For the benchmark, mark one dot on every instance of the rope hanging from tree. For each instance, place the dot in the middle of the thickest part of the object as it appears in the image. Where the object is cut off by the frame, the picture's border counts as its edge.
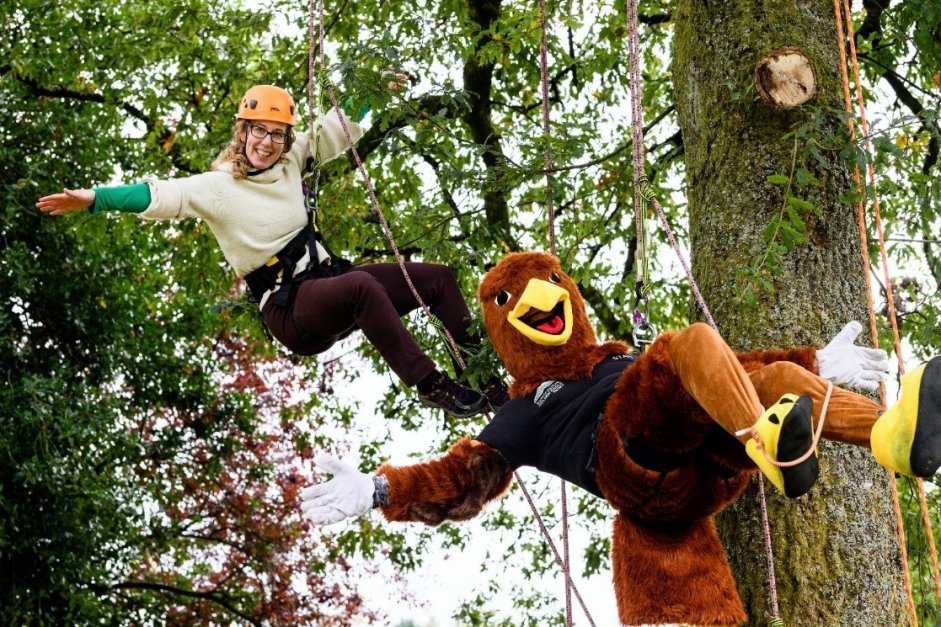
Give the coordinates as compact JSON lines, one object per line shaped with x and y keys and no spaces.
{"x":550,"y":209}
{"x":846,"y":37}
{"x":642,"y":195}
{"x":387,"y":231}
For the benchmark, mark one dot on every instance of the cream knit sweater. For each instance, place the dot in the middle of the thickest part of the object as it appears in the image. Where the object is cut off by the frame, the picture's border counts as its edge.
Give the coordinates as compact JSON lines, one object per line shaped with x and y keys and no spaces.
{"x":255,"y":217}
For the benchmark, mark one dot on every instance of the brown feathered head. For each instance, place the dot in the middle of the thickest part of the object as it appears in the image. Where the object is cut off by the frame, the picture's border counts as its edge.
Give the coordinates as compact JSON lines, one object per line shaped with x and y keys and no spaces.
{"x":537,"y":321}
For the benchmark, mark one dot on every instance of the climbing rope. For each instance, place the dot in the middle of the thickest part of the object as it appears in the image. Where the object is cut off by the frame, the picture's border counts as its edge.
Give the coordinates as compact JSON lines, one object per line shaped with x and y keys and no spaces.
{"x":642,"y":192}
{"x":387,"y":231}
{"x":846,"y":36}
{"x":544,"y":85}
{"x":550,"y":211}
{"x":641,"y":189}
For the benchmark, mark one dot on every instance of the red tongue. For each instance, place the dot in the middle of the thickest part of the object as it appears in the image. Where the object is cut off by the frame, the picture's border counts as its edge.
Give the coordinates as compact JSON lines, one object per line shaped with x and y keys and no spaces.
{"x":553,"y":325}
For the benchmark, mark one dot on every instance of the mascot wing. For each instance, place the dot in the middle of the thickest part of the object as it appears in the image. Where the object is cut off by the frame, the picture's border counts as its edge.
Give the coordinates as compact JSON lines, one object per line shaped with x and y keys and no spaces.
{"x":453,"y":487}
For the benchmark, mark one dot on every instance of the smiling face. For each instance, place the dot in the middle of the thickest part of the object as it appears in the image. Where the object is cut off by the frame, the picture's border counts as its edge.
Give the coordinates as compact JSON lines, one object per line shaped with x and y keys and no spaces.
{"x":543,"y":312}
{"x":263,"y":152}
{"x":534,"y":314}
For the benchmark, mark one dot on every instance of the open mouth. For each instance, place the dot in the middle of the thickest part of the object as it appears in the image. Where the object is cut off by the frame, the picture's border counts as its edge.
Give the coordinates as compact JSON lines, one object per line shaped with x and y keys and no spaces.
{"x":550,"y":322}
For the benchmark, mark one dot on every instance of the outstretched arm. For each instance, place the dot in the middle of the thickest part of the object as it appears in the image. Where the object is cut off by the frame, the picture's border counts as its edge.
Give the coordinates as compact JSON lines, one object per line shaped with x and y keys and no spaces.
{"x":453,"y":487}
{"x":841,"y":361}
{"x":133,"y":198}
{"x":67,"y":201}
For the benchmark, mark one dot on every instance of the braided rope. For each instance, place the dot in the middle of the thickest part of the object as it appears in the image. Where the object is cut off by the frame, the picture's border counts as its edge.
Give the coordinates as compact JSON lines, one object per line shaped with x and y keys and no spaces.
{"x":547,"y":157}
{"x":640,"y":183}
{"x":769,"y":556}
{"x":387,"y":231}
{"x":550,"y":212}
{"x":842,"y":34}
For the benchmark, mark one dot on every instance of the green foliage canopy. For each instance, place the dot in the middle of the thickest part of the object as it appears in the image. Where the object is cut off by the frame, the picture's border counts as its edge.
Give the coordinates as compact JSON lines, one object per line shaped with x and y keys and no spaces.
{"x":130,"y":399}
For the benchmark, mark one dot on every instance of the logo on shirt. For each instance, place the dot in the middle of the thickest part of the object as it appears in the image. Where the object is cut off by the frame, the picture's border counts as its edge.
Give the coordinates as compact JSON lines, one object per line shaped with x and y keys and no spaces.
{"x":545,"y":390}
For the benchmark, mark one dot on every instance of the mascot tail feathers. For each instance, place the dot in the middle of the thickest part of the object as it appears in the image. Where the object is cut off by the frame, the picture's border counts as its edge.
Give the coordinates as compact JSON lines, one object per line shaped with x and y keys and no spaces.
{"x":786,"y":433}
{"x":907,"y":437}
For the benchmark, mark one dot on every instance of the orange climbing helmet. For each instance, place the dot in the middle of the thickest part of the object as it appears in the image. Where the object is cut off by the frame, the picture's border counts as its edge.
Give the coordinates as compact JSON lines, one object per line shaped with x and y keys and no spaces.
{"x":267,"y":102}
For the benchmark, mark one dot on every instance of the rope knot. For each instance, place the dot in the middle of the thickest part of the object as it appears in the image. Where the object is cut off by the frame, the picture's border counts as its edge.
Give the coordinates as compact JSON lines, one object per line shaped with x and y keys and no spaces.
{"x":646,"y":191}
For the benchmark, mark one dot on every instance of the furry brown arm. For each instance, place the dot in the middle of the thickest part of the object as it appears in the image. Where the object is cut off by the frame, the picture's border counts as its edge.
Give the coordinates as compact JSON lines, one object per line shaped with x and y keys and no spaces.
{"x":804,"y":356}
{"x":453,"y":487}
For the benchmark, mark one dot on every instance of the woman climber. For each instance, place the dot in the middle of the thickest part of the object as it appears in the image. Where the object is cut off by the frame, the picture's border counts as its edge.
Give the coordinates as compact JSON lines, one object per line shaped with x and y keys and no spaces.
{"x":253,"y":202}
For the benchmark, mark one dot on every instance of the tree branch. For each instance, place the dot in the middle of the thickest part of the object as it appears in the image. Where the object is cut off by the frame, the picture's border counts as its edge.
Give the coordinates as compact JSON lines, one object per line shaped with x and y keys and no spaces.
{"x":607,"y":313}
{"x":874,"y":10}
{"x":163,"y":134}
{"x":905,"y":95}
{"x":159,"y":587}
{"x":424,"y":106}
{"x":655,"y":18}
{"x":478,"y":82}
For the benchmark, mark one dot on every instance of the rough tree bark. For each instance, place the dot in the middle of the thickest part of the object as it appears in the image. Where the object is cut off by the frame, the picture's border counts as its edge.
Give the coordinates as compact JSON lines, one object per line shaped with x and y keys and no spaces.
{"x":836,"y":553}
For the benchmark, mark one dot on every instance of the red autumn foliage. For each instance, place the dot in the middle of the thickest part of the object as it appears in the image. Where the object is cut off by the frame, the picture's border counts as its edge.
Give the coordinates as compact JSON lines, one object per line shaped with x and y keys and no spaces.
{"x":229,"y":540}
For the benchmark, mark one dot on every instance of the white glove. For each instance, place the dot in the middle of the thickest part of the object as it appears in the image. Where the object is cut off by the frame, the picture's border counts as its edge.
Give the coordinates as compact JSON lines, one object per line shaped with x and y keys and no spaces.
{"x":348,"y":494}
{"x":846,"y":364}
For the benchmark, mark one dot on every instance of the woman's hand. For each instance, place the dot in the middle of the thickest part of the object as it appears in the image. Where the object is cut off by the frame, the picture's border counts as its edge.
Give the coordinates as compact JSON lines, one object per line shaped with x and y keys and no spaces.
{"x":396,"y":81}
{"x":68,"y":201}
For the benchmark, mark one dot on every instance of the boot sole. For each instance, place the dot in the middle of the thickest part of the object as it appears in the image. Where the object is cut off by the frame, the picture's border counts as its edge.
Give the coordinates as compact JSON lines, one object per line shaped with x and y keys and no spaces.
{"x":797,"y":436}
{"x":786,"y":429}
{"x":926,"y":445}
{"x":472,"y":410}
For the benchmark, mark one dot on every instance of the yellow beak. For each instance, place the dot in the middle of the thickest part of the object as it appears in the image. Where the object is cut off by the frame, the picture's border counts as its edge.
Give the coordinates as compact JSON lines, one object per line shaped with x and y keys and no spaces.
{"x":542,"y":296}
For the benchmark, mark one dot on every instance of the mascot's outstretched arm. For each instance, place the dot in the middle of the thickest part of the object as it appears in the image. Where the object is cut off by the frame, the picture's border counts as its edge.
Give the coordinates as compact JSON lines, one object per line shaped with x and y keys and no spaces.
{"x":841,"y":361}
{"x":453,"y":487}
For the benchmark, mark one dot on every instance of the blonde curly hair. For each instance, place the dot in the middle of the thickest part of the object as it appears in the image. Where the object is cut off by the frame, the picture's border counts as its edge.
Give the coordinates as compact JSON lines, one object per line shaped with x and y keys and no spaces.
{"x":234,"y":153}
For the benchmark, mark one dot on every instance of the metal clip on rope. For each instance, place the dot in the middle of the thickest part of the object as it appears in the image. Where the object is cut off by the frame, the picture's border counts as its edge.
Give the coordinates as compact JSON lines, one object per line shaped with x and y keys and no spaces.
{"x":643,"y":332}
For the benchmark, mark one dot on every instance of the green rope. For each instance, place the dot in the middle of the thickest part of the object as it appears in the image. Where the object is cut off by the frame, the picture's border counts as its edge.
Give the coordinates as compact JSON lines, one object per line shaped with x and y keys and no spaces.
{"x":439,"y":328}
{"x":646,"y":194}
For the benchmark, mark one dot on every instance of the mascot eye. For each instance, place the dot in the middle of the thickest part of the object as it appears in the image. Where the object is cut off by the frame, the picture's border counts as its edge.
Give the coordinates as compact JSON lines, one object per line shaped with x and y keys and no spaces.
{"x":555,"y":278}
{"x":502,"y":298}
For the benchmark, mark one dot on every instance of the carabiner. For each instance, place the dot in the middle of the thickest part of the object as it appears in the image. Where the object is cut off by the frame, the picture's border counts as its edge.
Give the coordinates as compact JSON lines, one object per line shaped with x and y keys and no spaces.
{"x":643,"y":332}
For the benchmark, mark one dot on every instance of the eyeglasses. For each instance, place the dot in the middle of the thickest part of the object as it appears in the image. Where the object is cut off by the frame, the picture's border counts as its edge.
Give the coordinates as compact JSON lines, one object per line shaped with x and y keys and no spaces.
{"x":260,"y":132}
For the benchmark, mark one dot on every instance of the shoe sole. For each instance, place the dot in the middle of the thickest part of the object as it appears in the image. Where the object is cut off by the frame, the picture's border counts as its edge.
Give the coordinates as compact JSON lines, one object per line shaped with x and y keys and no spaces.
{"x":786,"y":429}
{"x":926,"y":445}
{"x":797,"y":436}
{"x":472,"y":410}
{"x":907,"y":437}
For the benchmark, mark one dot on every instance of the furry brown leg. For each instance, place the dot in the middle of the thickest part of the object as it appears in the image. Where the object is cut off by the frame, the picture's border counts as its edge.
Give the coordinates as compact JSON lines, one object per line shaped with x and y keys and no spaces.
{"x":849,"y":417}
{"x":712,"y":374}
{"x":686,"y":566}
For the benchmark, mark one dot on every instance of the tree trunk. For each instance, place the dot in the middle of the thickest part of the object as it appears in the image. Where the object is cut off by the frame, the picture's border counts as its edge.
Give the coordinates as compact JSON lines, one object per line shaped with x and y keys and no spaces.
{"x":836,"y":554}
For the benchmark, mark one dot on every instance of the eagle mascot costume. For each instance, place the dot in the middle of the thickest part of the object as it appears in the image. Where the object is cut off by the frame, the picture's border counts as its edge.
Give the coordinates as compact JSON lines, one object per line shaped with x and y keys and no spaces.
{"x":668,"y":437}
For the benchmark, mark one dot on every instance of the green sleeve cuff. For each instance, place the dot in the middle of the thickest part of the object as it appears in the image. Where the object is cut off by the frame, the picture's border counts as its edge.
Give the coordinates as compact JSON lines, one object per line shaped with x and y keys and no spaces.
{"x":360,"y":113}
{"x":126,"y":198}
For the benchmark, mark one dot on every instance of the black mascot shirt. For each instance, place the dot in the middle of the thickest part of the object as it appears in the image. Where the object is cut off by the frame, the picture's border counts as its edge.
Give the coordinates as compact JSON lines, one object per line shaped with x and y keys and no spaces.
{"x":553,"y":428}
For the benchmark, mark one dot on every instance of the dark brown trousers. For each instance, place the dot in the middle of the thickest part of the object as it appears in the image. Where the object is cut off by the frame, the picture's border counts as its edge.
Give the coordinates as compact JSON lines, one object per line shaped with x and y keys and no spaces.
{"x":372,"y":298}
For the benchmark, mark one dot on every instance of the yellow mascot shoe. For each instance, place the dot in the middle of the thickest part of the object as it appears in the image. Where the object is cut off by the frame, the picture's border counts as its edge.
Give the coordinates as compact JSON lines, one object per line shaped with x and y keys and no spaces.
{"x":907,"y":437}
{"x":786,"y":429}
